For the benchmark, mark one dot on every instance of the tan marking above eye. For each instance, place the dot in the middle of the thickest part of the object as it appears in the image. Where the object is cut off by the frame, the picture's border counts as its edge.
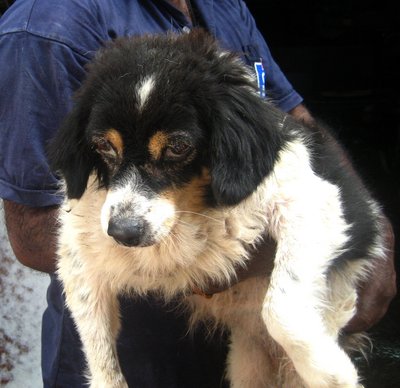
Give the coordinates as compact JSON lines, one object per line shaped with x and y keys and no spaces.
{"x":115,"y":138}
{"x":157,"y":143}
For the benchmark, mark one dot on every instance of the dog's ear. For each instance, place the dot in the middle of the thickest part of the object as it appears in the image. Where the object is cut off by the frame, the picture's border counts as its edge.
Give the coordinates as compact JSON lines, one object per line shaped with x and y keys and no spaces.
{"x":70,"y":154}
{"x":245,"y":142}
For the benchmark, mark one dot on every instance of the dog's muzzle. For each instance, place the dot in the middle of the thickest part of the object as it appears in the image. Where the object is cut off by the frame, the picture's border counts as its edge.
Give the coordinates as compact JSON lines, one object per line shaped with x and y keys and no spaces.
{"x":136,"y":219}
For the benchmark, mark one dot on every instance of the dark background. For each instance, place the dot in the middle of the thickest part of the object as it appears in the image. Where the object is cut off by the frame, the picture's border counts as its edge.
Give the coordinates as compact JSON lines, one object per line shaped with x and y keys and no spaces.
{"x":343,"y":57}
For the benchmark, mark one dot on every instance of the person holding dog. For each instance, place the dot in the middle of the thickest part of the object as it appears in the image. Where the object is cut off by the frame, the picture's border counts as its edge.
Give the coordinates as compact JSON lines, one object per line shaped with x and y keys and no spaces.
{"x":45,"y":46}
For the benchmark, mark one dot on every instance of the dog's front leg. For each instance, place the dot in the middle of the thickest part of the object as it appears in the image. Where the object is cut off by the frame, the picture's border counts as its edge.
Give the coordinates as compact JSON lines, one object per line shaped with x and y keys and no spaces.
{"x":305,"y":217}
{"x":293,"y":312}
{"x":95,"y":310}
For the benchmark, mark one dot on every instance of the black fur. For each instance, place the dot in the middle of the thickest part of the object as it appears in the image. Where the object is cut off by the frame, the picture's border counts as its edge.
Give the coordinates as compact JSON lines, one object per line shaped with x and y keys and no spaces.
{"x":335,"y":166}
{"x":244,"y":145}
{"x":71,"y":154}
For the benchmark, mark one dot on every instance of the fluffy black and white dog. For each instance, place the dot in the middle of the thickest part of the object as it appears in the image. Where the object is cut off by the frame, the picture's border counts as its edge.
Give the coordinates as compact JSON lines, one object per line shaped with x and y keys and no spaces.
{"x":174,"y":169}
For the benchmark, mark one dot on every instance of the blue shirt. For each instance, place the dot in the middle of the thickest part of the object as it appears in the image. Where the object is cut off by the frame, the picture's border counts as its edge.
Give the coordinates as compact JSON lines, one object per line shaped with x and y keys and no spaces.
{"x":44,"y":47}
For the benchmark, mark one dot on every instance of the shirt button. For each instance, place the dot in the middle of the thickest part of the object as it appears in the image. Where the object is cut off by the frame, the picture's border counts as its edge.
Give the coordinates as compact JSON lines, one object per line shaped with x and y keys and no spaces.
{"x":186,"y":29}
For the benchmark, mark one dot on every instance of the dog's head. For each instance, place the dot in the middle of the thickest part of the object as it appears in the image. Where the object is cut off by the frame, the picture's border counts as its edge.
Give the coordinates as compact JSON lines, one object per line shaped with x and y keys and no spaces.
{"x":168,"y":123}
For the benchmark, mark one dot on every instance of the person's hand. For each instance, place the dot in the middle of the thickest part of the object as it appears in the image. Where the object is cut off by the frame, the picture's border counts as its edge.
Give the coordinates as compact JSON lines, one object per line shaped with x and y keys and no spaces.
{"x":376,"y":293}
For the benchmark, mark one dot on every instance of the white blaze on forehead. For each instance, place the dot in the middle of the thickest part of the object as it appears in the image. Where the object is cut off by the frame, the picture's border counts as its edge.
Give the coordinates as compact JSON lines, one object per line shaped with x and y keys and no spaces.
{"x":144,"y":89}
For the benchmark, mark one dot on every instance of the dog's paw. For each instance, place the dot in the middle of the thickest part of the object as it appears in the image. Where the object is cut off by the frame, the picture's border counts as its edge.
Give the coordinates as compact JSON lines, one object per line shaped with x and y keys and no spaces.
{"x":335,"y":371}
{"x":114,"y":383}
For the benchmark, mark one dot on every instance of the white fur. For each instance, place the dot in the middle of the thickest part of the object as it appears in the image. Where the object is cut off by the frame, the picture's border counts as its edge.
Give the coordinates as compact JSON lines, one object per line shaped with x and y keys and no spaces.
{"x":144,"y":90}
{"x":284,"y":328}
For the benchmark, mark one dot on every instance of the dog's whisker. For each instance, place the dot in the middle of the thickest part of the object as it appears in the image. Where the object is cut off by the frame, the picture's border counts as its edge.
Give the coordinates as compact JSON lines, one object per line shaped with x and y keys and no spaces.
{"x":172,"y":239}
{"x":201,"y":215}
{"x":171,"y":61}
{"x":79,"y":215}
{"x":179,"y":221}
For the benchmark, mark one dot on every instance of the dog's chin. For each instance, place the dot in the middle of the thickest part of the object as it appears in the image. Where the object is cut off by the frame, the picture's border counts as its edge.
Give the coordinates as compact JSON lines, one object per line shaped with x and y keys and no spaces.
{"x":147,"y":242}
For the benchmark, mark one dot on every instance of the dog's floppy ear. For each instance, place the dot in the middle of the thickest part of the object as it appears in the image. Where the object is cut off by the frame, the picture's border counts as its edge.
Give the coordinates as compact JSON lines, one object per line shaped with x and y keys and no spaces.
{"x":244,"y":144}
{"x":70,"y":154}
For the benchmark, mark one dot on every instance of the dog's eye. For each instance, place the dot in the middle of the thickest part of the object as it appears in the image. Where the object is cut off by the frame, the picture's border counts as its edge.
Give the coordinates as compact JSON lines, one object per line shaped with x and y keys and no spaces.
{"x":105,"y":148}
{"x":178,"y":150}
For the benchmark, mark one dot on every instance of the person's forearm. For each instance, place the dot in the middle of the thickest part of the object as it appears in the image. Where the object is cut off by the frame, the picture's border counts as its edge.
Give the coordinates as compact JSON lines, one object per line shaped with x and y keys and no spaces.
{"x":376,"y":293}
{"x":302,"y":114}
{"x":32,"y":234}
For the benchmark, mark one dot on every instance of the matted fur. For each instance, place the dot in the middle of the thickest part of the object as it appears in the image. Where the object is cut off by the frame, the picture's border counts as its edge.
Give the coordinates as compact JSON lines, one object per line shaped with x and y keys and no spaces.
{"x":196,"y":172}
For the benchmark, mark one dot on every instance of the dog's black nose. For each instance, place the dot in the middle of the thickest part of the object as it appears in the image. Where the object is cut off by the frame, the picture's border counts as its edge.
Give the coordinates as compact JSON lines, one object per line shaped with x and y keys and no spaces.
{"x":127,"y":231}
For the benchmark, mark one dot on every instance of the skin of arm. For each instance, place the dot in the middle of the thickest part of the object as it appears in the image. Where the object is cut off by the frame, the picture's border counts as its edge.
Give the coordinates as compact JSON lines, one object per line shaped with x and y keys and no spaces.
{"x":32,"y":232}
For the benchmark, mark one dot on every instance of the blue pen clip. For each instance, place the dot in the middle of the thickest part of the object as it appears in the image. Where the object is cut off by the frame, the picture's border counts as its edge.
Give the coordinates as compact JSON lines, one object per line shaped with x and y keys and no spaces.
{"x":260,"y":72}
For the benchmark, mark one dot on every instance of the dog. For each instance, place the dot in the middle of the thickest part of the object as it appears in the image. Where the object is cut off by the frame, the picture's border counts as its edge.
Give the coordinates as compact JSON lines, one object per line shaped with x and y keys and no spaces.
{"x":174,"y":170}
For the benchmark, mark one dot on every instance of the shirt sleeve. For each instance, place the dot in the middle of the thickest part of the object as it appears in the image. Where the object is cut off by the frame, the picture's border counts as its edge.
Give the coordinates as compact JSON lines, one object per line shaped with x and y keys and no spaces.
{"x":37,"y":81}
{"x":278,"y":88}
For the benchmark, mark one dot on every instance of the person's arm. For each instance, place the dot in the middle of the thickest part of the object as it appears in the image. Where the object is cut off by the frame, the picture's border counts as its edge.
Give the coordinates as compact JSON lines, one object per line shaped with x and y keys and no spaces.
{"x":33,"y":234}
{"x":302,"y":114}
{"x":376,"y":293}
{"x":43,"y":73}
